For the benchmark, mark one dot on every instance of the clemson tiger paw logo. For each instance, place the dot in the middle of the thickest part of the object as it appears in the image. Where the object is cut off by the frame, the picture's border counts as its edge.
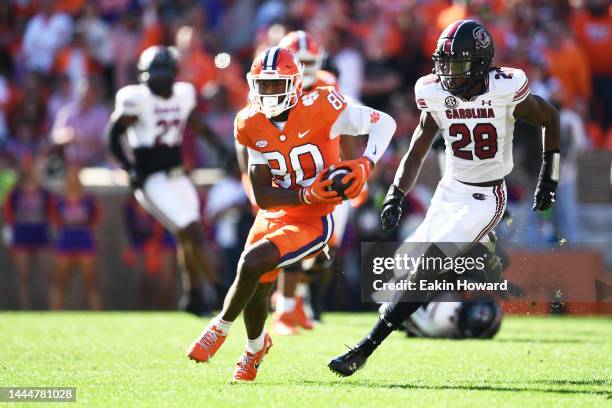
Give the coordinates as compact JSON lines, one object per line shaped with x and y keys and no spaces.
{"x":310,"y":98}
{"x":374,"y":117}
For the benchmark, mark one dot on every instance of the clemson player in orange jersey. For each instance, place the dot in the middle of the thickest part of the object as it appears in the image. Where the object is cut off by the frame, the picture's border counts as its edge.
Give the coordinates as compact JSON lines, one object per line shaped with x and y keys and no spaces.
{"x":289,"y":309}
{"x":291,"y":139}
{"x":310,"y":54}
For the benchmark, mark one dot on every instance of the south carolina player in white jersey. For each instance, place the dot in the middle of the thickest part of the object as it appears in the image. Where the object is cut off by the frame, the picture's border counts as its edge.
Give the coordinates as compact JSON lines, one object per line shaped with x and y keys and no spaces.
{"x":154,"y":114}
{"x":475,"y":106}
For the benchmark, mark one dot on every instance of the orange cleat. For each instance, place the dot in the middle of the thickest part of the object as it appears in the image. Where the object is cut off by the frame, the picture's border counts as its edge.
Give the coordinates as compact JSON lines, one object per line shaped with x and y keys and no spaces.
{"x":207,"y":345}
{"x":247,"y":366}
{"x":299,"y":317}
{"x":283,"y":324}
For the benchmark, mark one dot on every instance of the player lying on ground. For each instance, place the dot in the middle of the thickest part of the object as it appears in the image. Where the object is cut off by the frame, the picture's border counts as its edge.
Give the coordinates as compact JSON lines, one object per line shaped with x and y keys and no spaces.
{"x":475,"y":106}
{"x":462,"y":314}
{"x":292,"y":139}
{"x":448,"y":316}
{"x":153,"y":114}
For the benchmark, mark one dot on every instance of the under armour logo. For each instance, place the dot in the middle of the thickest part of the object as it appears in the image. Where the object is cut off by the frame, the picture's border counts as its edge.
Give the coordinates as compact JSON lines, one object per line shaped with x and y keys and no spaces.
{"x":486,"y":102}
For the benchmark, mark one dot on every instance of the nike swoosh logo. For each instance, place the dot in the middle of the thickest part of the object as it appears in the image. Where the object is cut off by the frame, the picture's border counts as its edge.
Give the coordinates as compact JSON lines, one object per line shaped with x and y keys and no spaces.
{"x":302,"y":134}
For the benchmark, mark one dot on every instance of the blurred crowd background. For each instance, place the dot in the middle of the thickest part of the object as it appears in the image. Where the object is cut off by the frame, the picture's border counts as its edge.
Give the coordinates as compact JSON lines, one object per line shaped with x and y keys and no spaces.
{"x":62,"y":61}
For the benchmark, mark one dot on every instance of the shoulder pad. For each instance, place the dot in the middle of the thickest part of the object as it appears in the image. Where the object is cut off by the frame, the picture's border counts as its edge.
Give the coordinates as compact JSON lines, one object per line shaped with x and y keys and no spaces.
{"x":240,"y":125}
{"x":129,"y":99}
{"x":184,"y":89}
{"x":427,"y":90}
{"x":131,"y":92}
{"x":511,"y":82}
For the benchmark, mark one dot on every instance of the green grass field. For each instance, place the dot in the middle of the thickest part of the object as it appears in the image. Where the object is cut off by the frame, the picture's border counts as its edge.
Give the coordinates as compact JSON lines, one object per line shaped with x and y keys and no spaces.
{"x":137,"y":359}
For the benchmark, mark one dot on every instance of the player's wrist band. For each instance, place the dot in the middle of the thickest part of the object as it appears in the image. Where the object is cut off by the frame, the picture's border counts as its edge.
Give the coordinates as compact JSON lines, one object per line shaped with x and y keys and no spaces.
{"x":395,"y":194}
{"x":302,"y":196}
{"x":550,"y":165}
{"x":371,"y":161}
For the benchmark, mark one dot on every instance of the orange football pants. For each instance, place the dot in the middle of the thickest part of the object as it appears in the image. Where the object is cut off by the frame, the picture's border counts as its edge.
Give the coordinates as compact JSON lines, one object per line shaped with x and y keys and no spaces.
{"x":296,"y":238}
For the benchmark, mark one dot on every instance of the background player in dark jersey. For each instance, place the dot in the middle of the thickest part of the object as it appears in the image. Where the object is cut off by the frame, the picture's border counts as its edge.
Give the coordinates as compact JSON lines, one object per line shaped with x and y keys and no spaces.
{"x":153,"y":115}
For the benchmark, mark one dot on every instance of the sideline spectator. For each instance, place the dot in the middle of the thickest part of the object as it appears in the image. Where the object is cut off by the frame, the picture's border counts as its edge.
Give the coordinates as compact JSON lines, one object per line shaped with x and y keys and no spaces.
{"x":79,"y":128}
{"x":46,"y":33}
{"x":27,"y":213}
{"x":76,"y":215}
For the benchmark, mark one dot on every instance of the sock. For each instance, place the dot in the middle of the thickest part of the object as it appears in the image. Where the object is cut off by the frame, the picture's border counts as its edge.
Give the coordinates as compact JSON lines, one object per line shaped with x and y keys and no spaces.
{"x":221,"y":324}
{"x":253,"y":346}
{"x":285,"y":304}
{"x":394,"y":315}
{"x":301,"y":289}
{"x":315,"y":300}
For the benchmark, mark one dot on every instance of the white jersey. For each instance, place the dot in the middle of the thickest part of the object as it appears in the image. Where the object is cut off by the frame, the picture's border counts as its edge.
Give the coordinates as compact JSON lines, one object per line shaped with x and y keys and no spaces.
{"x":160,"y":121}
{"x":477,"y":132}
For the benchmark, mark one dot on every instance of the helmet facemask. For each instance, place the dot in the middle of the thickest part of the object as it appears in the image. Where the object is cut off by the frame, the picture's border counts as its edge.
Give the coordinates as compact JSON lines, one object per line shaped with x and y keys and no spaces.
{"x":273,"y":98}
{"x":158,"y":68}
{"x":463,"y":57}
{"x":458,"y":74}
{"x":159,"y":81}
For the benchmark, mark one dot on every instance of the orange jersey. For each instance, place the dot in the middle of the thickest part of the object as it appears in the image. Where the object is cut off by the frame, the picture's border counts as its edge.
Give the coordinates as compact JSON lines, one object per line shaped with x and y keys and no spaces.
{"x":325,"y":78}
{"x":299,"y":152}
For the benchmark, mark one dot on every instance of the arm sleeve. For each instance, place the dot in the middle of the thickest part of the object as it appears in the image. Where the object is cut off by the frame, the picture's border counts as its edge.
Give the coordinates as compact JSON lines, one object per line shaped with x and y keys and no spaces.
{"x":256,"y":157}
{"x":421,"y":92}
{"x":360,"y":120}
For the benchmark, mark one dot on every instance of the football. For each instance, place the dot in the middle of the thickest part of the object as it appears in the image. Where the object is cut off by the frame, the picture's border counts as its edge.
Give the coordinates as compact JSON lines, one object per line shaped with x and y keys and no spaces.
{"x":336,"y":175}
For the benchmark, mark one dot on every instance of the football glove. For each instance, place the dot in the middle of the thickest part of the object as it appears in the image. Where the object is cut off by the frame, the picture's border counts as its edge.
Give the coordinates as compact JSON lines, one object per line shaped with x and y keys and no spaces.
{"x":316,"y":193}
{"x":544,"y":196}
{"x":360,"y":171}
{"x":392,"y":208}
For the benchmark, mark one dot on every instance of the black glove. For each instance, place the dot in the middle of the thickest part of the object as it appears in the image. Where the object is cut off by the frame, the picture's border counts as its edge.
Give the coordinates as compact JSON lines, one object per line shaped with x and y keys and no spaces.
{"x":136,"y":180}
{"x":544,"y":196}
{"x":392,"y":208}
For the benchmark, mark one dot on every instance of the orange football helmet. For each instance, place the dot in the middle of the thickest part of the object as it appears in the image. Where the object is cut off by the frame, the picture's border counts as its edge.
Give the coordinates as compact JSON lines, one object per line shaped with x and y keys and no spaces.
{"x":308,"y":51}
{"x":275,"y":64}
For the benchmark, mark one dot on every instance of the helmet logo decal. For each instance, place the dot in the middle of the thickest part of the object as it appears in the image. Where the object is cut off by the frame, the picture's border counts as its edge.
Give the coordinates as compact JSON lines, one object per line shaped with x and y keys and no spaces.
{"x":482,"y":38}
{"x":451,"y":102}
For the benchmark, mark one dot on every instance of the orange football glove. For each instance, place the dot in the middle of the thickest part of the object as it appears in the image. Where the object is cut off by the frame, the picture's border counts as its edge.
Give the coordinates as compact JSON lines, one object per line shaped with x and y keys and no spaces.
{"x":360,"y":171}
{"x":317,"y":192}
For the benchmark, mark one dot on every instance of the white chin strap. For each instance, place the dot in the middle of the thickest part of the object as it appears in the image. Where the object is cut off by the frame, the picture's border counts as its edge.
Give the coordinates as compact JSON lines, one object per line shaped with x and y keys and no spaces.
{"x":270,"y":106}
